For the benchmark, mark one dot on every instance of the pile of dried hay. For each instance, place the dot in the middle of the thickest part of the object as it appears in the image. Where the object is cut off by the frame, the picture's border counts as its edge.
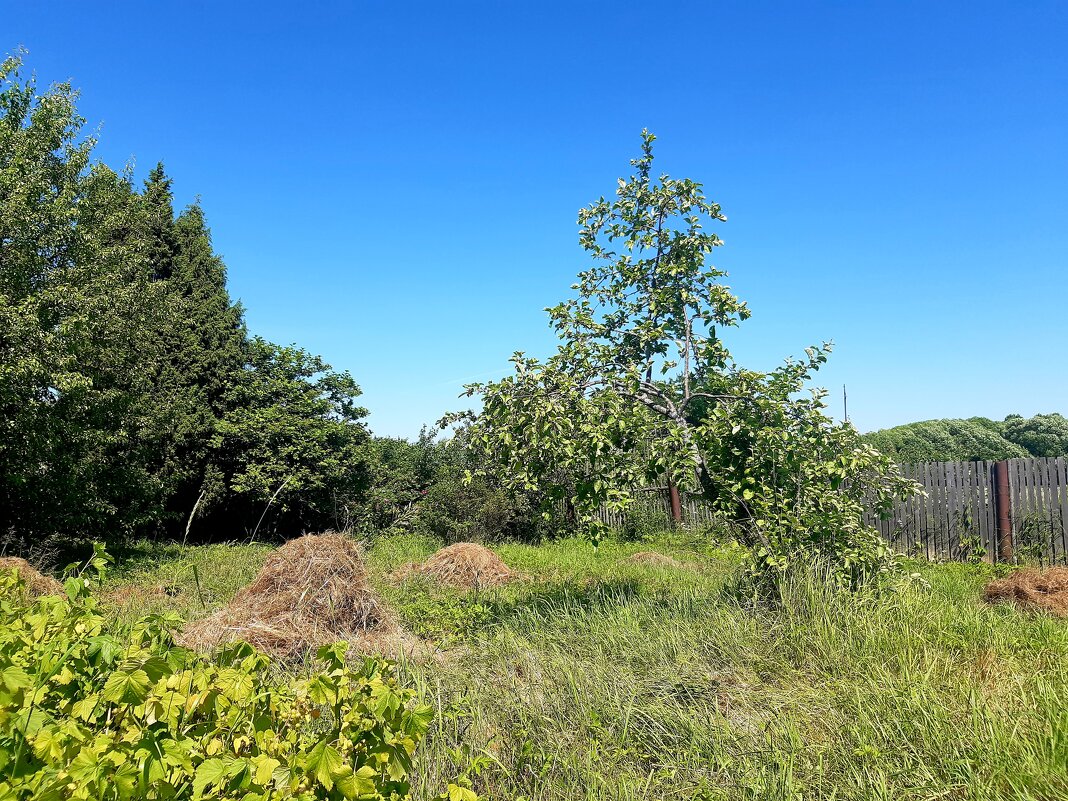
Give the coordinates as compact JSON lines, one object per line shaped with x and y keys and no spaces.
{"x":1033,"y":589}
{"x":464,"y":564}
{"x":312,"y":591}
{"x":37,"y":583}
{"x":653,"y":559}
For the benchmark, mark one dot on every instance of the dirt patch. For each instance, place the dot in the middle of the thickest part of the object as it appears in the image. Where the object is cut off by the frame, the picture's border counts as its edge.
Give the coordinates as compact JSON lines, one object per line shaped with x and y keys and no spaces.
{"x":37,"y":583}
{"x":464,"y":564}
{"x":653,"y":559}
{"x":1032,"y":589}
{"x":310,"y":592}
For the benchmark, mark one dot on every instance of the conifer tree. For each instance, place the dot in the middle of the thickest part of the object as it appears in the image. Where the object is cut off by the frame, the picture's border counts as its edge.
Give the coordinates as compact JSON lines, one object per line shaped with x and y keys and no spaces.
{"x":158,"y":201}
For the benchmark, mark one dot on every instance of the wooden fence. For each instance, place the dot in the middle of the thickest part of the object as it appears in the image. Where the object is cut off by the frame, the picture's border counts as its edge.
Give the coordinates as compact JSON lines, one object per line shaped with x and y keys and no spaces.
{"x":654,"y":503}
{"x":957,"y":518}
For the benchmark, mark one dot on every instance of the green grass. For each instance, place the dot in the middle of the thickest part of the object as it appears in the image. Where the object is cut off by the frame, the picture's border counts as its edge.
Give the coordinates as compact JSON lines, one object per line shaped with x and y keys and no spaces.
{"x":595,"y":678}
{"x":192,"y":581}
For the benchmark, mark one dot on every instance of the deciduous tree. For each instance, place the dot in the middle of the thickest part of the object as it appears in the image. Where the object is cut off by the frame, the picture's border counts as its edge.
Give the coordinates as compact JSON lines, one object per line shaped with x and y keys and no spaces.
{"x":643,"y":388}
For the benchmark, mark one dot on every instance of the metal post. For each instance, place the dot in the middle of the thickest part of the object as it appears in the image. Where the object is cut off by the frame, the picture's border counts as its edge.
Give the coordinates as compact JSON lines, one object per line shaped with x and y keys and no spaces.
{"x":676,"y":503}
{"x":1003,"y":509}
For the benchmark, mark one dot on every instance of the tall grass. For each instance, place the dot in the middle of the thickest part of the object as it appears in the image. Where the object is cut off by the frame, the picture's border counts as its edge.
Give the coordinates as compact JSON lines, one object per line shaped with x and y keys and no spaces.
{"x":600,"y":679}
{"x":619,"y":682}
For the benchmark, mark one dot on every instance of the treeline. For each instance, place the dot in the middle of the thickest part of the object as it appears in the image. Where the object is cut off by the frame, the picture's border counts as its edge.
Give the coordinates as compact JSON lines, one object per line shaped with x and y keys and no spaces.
{"x":134,"y":402}
{"x":131,"y":391}
{"x":974,"y":439}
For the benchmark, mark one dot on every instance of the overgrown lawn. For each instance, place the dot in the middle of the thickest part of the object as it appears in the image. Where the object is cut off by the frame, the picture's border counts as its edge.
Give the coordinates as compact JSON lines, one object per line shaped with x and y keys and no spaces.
{"x":596,"y":678}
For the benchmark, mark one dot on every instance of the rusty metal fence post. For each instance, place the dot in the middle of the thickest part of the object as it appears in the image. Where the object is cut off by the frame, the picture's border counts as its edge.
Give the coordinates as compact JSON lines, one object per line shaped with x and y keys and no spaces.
{"x":676,"y":503}
{"x":1003,"y":510}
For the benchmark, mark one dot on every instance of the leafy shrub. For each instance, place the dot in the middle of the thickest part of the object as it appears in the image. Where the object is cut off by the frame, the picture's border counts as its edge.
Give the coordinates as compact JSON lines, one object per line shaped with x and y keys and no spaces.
{"x":642,"y":521}
{"x":455,"y":511}
{"x":87,"y":715}
{"x":403,"y":471}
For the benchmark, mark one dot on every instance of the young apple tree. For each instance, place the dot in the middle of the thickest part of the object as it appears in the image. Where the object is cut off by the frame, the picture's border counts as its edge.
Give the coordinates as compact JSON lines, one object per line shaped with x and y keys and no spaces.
{"x":643,"y":389}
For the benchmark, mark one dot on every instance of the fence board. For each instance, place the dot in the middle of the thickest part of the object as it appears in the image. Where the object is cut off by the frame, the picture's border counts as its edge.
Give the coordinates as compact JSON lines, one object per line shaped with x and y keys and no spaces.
{"x":955,"y":517}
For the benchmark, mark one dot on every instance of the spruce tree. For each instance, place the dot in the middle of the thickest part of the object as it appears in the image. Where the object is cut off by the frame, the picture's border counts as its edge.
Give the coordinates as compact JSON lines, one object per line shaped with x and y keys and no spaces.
{"x":158,"y":202}
{"x":211,"y":350}
{"x":203,"y":343}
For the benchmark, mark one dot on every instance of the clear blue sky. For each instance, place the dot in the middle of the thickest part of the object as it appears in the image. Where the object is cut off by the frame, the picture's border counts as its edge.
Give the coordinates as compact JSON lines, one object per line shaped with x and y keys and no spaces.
{"x":395,"y":185}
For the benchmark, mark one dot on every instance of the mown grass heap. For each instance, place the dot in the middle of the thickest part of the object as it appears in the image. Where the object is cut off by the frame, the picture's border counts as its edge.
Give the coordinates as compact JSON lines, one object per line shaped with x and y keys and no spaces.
{"x":653,"y":559}
{"x":1036,"y":590}
{"x":462,"y":564}
{"x":34,"y":581}
{"x":310,"y":592}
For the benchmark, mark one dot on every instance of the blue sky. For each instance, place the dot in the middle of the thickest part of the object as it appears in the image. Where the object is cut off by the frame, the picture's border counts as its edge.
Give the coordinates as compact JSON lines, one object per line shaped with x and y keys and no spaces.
{"x":395,"y":185}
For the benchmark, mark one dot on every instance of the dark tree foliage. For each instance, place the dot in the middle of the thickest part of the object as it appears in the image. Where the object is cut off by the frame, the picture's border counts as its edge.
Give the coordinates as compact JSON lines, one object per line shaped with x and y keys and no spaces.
{"x":130,"y":394}
{"x":157,"y":200}
{"x":205,"y":343}
{"x":293,"y":436}
{"x":420,"y":486}
{"x":75,"y":375}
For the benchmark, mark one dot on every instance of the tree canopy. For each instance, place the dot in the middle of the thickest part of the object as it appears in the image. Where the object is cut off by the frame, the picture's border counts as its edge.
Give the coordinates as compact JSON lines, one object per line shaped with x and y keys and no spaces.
{"x":642,"y":388}
{"x":974,"y":439}
{"x":130,"y":391}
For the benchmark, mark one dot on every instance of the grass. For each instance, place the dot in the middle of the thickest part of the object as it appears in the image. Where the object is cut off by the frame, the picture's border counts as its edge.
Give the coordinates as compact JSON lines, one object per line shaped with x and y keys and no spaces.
{"x":600,"y":679}
{"x":152,"y":578}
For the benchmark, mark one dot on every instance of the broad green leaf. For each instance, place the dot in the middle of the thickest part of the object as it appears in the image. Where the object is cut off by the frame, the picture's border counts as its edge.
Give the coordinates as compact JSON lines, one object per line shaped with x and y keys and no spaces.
{"x":124,"y":687}
{"x":324,"y":763}
{"x":210,"y":772}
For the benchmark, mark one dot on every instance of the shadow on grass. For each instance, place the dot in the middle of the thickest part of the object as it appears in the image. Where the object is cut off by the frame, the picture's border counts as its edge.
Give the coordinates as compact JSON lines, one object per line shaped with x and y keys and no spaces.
{"x":546,"y":603}
{"x":568,"y":597}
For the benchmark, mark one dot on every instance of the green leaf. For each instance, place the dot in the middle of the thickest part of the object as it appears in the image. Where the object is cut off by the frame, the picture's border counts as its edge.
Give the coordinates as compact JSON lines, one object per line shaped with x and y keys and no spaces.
{"x":263,"y":768}
{"x":210,"y":772}
{"x":15,"y":678}
{"x":458,"y":793}
{"x":324,"y":763}
{"x":124,"y":687}
{"x":359,"y":784}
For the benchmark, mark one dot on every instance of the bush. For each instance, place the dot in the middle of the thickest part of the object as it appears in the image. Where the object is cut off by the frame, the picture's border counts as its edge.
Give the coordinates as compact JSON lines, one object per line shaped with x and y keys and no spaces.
{"x":1041,"y":435}
{"x":89,"y":715}
{"x":453,"y":511}
{"x":642,"y":521}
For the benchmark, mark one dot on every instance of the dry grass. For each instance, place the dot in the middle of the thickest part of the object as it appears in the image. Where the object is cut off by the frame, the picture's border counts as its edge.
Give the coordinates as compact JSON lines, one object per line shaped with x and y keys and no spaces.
{"x":37,"y":583}
{"x":464,"y":564}
{"x":653,"y":559}
{"x":130,"y":595}
{"x":310,"y":592}
{"x":1032,"y":589}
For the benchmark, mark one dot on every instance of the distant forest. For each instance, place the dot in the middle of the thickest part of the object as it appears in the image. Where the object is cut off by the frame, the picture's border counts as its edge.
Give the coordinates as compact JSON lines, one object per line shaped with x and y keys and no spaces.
{"x":974,"y":439}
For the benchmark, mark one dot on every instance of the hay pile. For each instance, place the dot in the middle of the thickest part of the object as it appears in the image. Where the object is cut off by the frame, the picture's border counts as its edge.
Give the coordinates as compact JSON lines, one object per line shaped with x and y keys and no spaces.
{"x":652,"y":559}
{"x":312,"y":591}
{"x":37,"y":583}
{"x":1033,"y":589}
{"x":464,"y":564}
